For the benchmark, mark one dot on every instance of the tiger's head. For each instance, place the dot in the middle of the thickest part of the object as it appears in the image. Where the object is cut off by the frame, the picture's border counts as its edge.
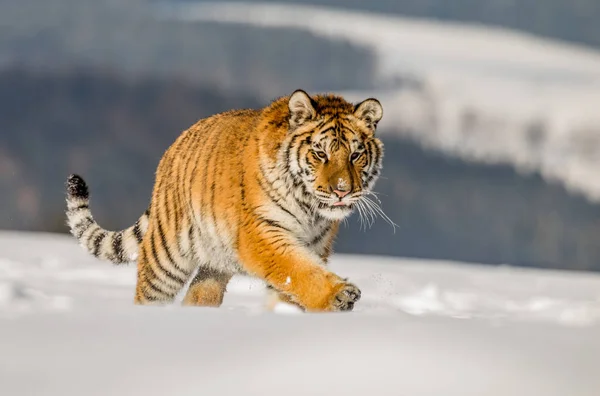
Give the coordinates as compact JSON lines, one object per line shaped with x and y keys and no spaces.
{"x":333,"y":152}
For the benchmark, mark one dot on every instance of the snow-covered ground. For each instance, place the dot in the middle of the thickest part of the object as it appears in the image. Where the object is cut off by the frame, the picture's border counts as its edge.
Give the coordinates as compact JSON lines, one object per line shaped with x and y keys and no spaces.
{"x":68,"y":327}
{"x":485,"y":94}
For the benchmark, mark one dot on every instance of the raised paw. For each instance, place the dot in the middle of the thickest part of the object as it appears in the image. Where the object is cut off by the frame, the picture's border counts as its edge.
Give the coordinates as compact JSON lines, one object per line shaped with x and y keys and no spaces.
{"x":345,"y":298}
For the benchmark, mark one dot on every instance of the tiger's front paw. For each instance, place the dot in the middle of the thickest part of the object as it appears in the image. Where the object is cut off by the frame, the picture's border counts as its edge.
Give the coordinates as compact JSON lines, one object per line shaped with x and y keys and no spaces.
{"x":345,"y":297}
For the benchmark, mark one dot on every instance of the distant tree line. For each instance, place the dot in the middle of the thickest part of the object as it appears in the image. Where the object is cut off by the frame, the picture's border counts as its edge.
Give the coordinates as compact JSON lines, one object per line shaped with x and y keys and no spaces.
{"x":125,"y":36}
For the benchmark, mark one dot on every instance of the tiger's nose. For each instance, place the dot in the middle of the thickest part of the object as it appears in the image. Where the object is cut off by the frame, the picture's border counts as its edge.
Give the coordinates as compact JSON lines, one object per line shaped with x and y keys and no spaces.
{"x":340,"y":193}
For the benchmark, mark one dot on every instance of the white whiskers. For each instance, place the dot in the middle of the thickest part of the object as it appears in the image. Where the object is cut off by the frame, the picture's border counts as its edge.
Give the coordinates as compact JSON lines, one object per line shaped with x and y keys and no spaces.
{"x":368,"y":210}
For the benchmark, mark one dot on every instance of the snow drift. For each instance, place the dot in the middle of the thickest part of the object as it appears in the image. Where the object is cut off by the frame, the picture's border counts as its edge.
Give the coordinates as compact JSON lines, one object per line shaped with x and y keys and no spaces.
{"x":68,"y":327}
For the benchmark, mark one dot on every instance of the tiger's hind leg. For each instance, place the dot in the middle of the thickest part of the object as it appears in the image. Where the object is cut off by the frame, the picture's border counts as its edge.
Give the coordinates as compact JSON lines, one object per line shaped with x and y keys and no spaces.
{"x":207,"y":288}
{"x":162,"y":270}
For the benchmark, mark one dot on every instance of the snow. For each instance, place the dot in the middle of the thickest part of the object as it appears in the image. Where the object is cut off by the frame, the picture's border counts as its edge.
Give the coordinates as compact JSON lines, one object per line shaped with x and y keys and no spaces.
{"x":68,"y":327}
{"x":485,"y":94}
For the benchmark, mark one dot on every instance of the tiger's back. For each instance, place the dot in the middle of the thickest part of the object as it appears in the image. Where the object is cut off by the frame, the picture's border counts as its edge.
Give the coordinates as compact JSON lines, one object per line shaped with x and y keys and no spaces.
{"x":245,"y":192}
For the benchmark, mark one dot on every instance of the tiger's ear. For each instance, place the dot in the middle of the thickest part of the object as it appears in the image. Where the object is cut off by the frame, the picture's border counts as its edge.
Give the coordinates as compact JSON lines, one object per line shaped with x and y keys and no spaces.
{"x":301,"y":108}
{"x":370,"y":111}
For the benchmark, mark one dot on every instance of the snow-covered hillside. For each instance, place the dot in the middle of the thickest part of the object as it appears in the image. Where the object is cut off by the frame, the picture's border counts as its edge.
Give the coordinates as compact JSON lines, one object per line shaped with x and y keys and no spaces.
{"x":485,"y":94}
{"x":68,"y":327}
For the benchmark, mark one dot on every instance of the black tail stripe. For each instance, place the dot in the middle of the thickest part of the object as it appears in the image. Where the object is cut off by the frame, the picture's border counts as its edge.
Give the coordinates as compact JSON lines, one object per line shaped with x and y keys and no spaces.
{"x":97,"y":242}
{"x":117,"y":247}
{"x":137,"y":232}
{"x":91,"y":236}
{"x":82,"y":227}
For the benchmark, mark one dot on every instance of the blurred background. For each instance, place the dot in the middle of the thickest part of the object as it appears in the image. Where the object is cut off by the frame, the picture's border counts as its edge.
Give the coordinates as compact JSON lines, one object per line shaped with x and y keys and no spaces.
{"x":491,"y":110}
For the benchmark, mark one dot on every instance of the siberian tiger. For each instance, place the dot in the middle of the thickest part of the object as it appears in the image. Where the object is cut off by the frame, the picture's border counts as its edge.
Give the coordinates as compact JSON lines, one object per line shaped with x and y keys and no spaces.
{"x":256,"y":192}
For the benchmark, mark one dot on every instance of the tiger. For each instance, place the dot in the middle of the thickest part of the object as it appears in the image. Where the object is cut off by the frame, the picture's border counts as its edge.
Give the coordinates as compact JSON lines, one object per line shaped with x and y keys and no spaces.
{"x":256,"y":192}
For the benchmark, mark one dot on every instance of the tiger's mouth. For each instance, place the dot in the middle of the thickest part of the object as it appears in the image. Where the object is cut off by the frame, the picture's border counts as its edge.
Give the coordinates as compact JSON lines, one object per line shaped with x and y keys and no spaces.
{"x":336,"y":205}
{"x":335,"y":210}
{"x":341,"y":203}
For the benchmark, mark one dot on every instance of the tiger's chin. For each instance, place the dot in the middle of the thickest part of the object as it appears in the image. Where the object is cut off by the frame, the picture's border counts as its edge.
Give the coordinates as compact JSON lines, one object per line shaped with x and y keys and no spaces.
{"x":334,"y":213}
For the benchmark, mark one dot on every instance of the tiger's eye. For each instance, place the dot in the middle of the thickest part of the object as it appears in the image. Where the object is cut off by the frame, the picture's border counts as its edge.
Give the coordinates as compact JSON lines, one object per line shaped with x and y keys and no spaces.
{"x":355,"y":156}
{"x":321,"y":154}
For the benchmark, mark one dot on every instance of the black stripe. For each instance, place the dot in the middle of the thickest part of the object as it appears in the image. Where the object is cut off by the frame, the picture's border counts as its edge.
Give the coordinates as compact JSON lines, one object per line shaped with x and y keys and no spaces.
{"x":168,"y":274}
{"x":117,"y":247}
{"x":91,"y":237}
{"x":320,"y":237}
{"x":274,"y":241}
{"x":164,"y":244}
{"x":186,"y":163}
{"x":80,"y":207}
{"x":243,"y":173}
{"x":242,"y":183}
{"x":351,"y":176}
{"x":97,"y":242}
{"x":301,"y":145}
{"x":137,"y":232}
{"x":157,"y":259}
{"x":369,"y":150}
{"x":167,"y":210}
{"x":370,"y":159}
{"x":298,"y":184}
{"x":275,"y":200}
{"x":320,"y":124}
{"x":192,"y":251}
{"x":193,"y":175}
{"x":291,"y":144}
{"x":146,"y":280}
{"x":163,"y":240}
{"x":271,"y":223}
{"x":171,"y":186}
{"x":217,"y":170}
{"x":83,"y":226}
{"x":177,"y":202}
{"x":208,"y":156}
{"x":148,"y":297}
{"x":156,"y":289}
{"x":377,"y":159}
{"x":299,"y":153}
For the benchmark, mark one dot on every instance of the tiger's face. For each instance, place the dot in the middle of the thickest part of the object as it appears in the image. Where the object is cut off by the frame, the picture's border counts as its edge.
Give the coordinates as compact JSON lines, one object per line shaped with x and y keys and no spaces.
{"x":335,"y":154}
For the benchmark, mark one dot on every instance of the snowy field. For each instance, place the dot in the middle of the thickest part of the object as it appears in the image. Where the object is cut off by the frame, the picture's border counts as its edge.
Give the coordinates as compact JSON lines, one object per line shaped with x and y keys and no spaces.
{"x":68,"y":327}
{"x":482,"y":93}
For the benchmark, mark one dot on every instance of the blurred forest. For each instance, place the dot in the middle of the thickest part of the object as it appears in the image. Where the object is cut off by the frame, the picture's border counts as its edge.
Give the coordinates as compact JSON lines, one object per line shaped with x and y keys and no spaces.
{"x":101,"y":88}
{"x":126,"y":37}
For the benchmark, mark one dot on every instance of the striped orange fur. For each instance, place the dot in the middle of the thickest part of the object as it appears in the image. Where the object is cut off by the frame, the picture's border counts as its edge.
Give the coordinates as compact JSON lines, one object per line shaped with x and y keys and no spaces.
{"x":257,"y":192}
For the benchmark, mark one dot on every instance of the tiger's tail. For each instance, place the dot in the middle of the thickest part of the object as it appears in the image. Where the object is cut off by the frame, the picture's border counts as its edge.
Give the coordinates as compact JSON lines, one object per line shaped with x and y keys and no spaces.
{"x":116,"y":246}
